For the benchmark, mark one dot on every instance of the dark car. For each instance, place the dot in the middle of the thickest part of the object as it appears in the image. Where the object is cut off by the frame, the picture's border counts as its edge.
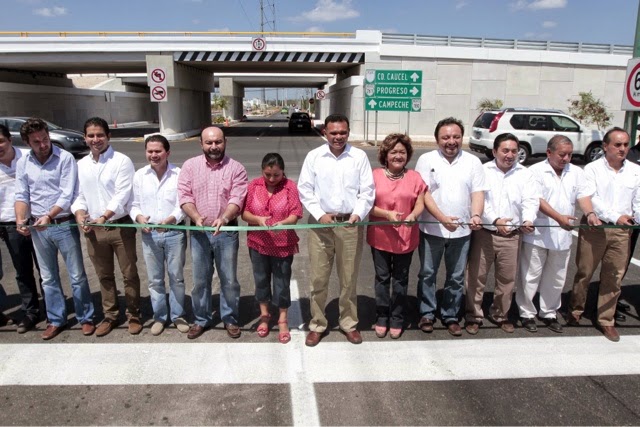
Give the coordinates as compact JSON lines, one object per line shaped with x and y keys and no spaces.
{"x":299,"y":121}
{"x":67,"y":139}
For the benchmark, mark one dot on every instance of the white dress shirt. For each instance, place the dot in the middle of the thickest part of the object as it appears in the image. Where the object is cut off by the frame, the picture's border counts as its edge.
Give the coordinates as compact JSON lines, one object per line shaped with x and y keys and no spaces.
{"x":8,"y":187}
{"x":330,"y":184}
{"x":156,"y":198}
{"x":616,"y":193}
{"x":510,"y":195}
{"x":451,"y":185}
{"x":105,"y":184}
{"x":561,"y":192}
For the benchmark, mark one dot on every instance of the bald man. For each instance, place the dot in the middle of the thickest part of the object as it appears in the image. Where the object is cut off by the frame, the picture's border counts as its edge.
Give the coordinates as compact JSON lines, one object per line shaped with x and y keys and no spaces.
{"x":212,"y":188}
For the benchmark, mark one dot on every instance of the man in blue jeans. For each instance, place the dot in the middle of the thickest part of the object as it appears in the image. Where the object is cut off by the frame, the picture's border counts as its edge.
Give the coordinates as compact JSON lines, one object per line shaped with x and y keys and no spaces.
{"x":212,"y":188}
{"x":46,"y":185}
{"x":456,"y":196}
{"x":155,"y":201}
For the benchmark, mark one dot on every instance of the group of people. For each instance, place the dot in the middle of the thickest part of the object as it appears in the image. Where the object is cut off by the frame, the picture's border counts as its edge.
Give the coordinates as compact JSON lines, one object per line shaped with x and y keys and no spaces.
{"x":518,"y":219}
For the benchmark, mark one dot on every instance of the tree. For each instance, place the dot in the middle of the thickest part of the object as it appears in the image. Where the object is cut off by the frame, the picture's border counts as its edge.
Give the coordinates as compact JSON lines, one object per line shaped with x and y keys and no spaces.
{"x":489,"y":104}
{"x":589,"y":109}
{"x":221,"y":103}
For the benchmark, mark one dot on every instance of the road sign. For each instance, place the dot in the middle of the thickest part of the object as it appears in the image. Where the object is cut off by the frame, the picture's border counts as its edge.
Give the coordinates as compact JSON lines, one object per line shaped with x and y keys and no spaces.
{"x":158,"y":75}
{"x":393,"y":90}
{"x":320,"y":95}
{"x":311,"y":101}
{"x":159,"y":94}
{"x":631,"y":97}
{"x":258,"y":44}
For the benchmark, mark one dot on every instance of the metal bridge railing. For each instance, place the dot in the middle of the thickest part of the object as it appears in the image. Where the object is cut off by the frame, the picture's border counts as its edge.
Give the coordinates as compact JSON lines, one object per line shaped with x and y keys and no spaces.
{"x":424,"y":40}
{"x":166,"y":33}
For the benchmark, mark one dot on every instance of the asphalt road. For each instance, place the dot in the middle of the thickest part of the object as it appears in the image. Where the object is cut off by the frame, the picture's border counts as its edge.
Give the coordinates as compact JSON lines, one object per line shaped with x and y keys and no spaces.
{"x":576,"y":378}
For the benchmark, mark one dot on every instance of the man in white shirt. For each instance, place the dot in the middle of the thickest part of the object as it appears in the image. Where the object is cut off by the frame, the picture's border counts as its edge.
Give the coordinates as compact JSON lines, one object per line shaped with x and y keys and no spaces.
{"x":616,"y":202}
{"x":20,"y":247}
{"x":510,"y":204}
{"x":544,"y":255}
{"x":456,"y":196}
{"x":106,"y":177}
{"x":335,"y":185}
{"x":155,"y":201}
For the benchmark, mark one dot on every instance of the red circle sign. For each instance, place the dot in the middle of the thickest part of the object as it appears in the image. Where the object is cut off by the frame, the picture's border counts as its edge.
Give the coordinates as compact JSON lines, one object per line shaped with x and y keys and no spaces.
{"x":158,"y":93}
{"x":631,"y":81}
{"x":259,"y":44}
{"x":157,"y":75}
{"x":320,"y":94}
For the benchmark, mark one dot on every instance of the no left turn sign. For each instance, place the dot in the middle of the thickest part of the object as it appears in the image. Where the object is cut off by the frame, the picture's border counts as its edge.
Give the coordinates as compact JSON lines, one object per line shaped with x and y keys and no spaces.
{"x":631,"y":97}
{"x":158,"y":75}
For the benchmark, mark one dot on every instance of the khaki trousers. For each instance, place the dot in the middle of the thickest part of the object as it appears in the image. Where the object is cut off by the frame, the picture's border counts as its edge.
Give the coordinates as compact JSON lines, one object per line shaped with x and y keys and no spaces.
{"x":487,"y":248}
{"x":611,"y":245}
{"x":345,"y":245}
{"x":102,"y":244}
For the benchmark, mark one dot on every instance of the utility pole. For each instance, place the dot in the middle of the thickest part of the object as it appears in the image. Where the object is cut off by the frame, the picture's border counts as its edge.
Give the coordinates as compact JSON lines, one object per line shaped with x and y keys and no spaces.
{"x":264,"y":92}
{"x":631,"y":117}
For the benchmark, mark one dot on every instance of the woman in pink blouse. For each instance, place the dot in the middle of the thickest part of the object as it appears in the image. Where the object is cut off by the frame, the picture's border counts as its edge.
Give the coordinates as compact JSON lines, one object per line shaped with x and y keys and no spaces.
{"x":272,"y":200}
{"x":399,"y":197}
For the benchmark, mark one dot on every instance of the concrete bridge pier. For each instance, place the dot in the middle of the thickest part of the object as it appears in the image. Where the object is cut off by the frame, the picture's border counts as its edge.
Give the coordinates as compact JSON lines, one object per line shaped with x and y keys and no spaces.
{"x":188,"y":107}
{"x":233,"y":93}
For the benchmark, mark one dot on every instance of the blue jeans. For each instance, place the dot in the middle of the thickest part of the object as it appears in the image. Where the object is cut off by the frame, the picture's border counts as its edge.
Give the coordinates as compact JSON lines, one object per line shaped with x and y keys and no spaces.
{"x":223,"y":249}
{"x":47,"y":243}
{"x":264,"y":267}
{"x":455,"y":253}
{"x":157,"y":248}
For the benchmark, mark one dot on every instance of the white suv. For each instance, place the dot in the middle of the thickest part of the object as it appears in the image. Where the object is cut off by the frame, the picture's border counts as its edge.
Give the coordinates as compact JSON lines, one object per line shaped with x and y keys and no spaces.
{"x":534,"y":128}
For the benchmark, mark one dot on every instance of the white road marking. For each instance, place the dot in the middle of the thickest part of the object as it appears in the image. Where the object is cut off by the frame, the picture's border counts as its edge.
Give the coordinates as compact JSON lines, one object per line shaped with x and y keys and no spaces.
{"x":329,"y":362}
{"x":633,"y":260}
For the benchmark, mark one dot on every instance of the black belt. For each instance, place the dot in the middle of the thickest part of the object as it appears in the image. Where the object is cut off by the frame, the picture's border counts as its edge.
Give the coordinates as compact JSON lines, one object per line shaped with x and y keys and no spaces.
{"x":161,"y":229}
{"x":341,"y":217}
{"x":57,"y":220}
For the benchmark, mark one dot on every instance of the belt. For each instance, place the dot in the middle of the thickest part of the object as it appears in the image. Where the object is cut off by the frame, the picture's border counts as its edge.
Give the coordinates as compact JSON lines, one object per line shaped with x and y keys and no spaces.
{"x":123,"y":220}
{"x":164,"y":230}
{"x":57,"y":220}
{"x":341,"y":217}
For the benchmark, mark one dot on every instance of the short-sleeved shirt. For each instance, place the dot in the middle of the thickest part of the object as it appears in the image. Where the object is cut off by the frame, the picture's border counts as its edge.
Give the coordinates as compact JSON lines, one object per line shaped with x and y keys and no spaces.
{"x":398,"y":195}
{"x":282,"y":203}
{"x":451,"y":185}
{"x":561,"y":192}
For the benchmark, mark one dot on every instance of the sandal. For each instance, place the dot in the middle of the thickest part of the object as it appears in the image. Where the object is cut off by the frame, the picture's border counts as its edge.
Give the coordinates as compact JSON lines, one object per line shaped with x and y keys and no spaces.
{"x":263,"y":327}
{"x":284,"y":337}
{"x":381,"y":331}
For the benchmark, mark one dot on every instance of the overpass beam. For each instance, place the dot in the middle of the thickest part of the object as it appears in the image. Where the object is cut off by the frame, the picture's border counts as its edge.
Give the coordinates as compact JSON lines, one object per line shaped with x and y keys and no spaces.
{"x":233,"y":93}
{"x":188,"y":108}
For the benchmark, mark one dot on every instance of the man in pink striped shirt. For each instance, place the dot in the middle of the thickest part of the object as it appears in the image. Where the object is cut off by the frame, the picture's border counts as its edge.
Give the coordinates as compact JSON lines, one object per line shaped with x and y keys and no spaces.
{"x":212,"y":188}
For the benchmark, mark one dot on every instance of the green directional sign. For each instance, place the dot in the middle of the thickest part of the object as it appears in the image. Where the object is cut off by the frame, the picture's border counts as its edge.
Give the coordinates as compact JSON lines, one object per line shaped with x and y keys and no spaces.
{"x":393,"y":90}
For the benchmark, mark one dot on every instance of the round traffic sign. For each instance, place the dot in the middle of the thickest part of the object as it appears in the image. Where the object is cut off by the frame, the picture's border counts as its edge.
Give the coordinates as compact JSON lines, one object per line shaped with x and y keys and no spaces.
{"x":158,"y":75}
{"x":632,"y":87}
{"x":159,"y":93}
{"x":259,"y":44}
{"x":320,"y":94}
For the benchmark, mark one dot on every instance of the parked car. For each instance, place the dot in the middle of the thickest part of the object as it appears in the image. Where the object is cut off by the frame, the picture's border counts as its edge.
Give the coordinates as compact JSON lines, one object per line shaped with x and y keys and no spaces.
{"x":299,"y":121}
{"x":534,"y":128}
{"x":67,"y":139}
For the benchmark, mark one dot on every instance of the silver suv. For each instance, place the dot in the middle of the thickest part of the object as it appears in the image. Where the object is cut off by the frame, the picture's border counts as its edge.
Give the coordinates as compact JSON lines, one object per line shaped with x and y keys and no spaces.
{"x":534,"y":128}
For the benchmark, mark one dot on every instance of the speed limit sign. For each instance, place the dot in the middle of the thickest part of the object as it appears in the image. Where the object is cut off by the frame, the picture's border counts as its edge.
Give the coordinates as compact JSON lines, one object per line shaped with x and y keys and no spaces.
{"x":631,"y":96}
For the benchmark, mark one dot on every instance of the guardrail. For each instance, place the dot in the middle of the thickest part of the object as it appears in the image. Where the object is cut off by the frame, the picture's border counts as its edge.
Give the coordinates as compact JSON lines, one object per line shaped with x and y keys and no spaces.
{"x":166,"y":33}
{"x":422,"y":40}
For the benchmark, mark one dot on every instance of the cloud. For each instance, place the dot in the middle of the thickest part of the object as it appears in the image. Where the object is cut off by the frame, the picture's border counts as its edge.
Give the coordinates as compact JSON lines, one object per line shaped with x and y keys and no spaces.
{"x":460,"y":4}
{"x":538,"y":4}
{"x":549,"y":24}
{"x":50,"y":12}
{"x":314,"y":29}
{"x":537,"y":36}
{"x":328,"y":11}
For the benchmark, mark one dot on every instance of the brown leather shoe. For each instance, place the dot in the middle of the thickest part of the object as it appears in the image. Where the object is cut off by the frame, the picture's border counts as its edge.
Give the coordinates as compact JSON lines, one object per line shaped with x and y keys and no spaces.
{"x":353,"y":337}
{"x":135,"y":327}
{"x":51,"y":331}
{"x":610,"y":333}
{"x":233,"y":330}
{"x":313,"y":338}
{"x":195,"y":331}
{"x":88,"y":328}
{"x":472,"y":327}
{"x":454,"y":329}
{"x":105,"y":327}
{"x":507,"y":326}
{"x":425,"y":325}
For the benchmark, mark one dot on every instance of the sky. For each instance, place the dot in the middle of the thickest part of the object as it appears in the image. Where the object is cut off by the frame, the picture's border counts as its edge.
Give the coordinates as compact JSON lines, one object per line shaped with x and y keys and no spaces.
{"x":587,"y":21}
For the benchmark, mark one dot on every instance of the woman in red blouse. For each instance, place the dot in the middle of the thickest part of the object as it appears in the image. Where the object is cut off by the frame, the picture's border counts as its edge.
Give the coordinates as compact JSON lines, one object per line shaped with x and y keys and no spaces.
{"x":272,"y":200}
{"x":399,"y":197}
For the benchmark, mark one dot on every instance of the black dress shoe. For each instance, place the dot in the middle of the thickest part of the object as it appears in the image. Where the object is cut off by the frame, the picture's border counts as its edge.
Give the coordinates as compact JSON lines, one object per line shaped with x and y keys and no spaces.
{"x":529,"y":324}
{"x":553,"y":325}
{"x":4,"y":320}
{"x":622,"y":306}
{"x":619,"y":317}
{"x":26,"y":324}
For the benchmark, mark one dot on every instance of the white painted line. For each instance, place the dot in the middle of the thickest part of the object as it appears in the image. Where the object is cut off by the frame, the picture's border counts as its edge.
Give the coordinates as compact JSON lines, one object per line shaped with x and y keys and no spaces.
{"x":295,"y":312}
{"x":329,"y":362}
{"x":633,"y":260}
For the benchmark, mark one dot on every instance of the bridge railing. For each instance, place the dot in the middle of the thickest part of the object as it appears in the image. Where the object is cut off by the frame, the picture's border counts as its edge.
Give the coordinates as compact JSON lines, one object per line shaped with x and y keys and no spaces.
{"x":167,"y":33}
{"x":425,"y":40}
